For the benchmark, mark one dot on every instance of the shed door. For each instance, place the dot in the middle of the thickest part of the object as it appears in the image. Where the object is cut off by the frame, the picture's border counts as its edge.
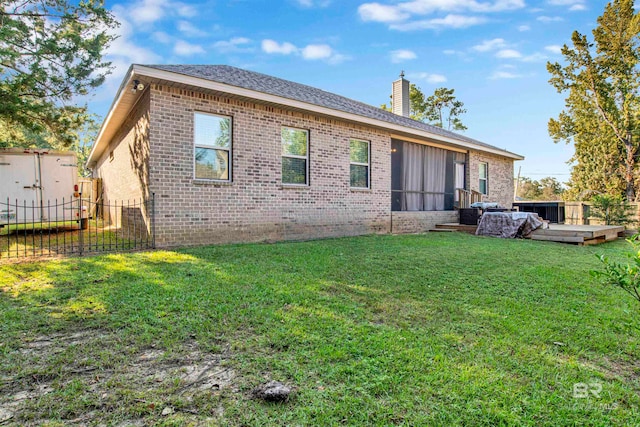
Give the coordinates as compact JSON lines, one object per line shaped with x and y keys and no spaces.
{"x":21,"y":187}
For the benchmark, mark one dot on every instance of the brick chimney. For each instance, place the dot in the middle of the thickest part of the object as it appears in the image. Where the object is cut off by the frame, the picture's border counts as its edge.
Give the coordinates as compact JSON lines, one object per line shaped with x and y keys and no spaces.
{"x":400,"y":96}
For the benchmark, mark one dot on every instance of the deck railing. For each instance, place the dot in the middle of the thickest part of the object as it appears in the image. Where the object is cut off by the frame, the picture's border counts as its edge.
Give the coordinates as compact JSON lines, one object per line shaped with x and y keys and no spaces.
{"x":468,"y":197}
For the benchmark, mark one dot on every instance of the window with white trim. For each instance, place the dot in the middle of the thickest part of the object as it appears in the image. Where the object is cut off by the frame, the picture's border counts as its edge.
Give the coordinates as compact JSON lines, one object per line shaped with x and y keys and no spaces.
{"x":295,"y":156}
{"x":360,"y":163}
{"x":212,"y":147}
{"x":483,"y":178}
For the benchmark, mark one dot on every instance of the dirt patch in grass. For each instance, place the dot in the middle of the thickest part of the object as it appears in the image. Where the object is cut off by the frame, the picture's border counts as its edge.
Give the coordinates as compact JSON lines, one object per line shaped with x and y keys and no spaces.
{"x":90,"y":377}
{"x":628,"y":369}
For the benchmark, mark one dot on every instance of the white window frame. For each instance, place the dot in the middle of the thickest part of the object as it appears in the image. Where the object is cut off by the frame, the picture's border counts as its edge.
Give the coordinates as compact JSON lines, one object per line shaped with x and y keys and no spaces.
{"x":368,"y":164}
{"x":293,"y":156}
{"x":229,"y":150}
{"x":485,"y":178}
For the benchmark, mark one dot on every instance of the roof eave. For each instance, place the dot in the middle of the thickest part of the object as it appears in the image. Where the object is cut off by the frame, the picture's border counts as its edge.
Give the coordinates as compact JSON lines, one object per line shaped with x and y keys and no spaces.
{"x":97,"y":148}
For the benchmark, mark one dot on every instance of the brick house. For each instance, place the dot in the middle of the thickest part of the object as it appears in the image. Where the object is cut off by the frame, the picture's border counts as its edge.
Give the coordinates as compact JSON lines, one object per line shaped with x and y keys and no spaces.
{"x":235,"y":156}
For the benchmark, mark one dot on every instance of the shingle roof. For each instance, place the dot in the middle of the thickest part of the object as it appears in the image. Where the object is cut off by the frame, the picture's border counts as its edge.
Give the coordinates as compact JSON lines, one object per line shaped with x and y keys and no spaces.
{"x":295,"y":91}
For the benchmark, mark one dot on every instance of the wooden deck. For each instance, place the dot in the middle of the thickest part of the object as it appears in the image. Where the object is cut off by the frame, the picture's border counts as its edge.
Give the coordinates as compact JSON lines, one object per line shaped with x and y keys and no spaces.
{"x":563,"y":233}
{"x":579,"y":234}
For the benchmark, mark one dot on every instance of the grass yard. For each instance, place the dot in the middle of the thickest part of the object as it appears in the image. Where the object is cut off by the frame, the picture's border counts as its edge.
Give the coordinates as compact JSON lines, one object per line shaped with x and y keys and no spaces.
{"x":436,"y":329}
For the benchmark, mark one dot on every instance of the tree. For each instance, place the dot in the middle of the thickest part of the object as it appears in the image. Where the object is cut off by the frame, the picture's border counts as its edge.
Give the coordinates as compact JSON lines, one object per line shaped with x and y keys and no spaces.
{"x":50,"y":52}
{"x":443,"y":108}
{"x":438,"y":109}
{"x":602,"y":111}
{"x":547,"y":188}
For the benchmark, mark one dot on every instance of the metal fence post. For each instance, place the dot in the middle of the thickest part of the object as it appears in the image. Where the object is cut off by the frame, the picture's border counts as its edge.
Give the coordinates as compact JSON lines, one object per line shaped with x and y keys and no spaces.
{"x":81,"y":236}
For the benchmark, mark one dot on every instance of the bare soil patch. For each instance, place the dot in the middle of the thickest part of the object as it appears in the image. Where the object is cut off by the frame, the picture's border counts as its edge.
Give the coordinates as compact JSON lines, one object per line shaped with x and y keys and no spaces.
{"x":90,"y":377}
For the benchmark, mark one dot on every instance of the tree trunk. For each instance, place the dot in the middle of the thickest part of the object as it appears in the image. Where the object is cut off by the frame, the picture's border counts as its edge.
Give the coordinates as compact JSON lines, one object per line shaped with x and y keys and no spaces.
{"x":630,"y":162}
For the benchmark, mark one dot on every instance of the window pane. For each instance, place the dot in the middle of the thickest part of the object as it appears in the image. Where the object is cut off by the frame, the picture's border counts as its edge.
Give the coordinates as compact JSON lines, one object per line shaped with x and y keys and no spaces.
{"x":483,"y":170}
{"x":483,"y":186}
{"x":212,"y":164}
{"x":359,"y":176}
{"x":294,"y":171}
{"x":359,"y":151}
{"x":212,"y":130}
{"x":294,"y":142}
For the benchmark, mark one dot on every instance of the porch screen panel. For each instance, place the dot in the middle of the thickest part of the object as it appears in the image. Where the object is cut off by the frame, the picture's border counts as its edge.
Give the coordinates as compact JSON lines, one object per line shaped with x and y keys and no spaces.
{"x":424,"y":178}
{"x":460,"y":167}
{"x":434,"y":178}
{"x":413,"y":165}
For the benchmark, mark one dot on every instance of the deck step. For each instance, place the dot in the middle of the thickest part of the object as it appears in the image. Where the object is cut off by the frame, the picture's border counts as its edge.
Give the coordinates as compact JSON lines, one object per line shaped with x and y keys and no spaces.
{"x":443,"y":230}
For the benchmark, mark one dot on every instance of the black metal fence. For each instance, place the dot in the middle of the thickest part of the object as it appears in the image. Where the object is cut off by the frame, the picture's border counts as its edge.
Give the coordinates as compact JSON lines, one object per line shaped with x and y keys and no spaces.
{"x":75,"y":226}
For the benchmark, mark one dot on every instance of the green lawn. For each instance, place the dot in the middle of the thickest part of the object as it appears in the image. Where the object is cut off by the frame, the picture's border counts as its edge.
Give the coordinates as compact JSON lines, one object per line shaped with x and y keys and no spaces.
{"x":436,"y":329}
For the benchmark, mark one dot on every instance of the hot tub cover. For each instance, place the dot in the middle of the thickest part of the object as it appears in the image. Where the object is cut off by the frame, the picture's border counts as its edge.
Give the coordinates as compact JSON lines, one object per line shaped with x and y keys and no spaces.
{"x":508,"y":224}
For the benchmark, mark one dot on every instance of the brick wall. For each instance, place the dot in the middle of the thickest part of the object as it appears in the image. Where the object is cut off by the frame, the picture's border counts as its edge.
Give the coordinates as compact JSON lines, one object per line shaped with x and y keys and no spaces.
{"x":419,"y":222}
{"x":124,"y":165}
{"x":500,"y":182}
{"x":154,"y":152}
{"x":255,"y":206}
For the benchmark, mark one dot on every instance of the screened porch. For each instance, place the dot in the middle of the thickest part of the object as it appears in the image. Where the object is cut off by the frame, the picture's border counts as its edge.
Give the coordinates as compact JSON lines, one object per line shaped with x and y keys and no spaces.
{"x":427,"y":178}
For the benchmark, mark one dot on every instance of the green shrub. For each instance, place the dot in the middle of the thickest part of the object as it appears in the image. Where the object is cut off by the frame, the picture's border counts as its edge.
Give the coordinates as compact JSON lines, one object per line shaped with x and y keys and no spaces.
{"x":612,"y":210}
{"x":623,"y":276}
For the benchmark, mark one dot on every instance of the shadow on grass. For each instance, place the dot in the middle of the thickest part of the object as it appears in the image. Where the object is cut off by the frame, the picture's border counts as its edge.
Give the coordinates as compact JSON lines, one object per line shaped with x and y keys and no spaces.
{"x":373,"y":330}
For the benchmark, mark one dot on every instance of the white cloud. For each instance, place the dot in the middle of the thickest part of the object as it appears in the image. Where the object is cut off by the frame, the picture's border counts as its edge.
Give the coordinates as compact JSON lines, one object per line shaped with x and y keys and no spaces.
{"x":147,"y":11}
{"x":425,"y":7}
{"x":549,"y":19}
{"x":190,"y":30}
{"x":488,"y":45}
{"x":573,"y":4}
{"x":272,"y":46}
{"x":311,"y":52}
{"x":313,"y":3}
{"x":535,"y":57}
{"x":123,"y":49}
{"x":235,"y":44}
{"x":184,"y":48}
{"x":185,"y":10}
{"x":450,"y":52}
{"x":523,"y":28}
{"x":402,"y":55}
{"x":122,"y":52}
{"x":338,"y":58}
{"x":161,"y":37}
{"x":317,"y":51}
{"x":508,"y":54}
{"x":428,"y":77}
{"x":406,"y":15}
{"x":554,"y":48}
{"x":381,"y":13}
{"x":449,"y":21}
{"x":499,"y":75}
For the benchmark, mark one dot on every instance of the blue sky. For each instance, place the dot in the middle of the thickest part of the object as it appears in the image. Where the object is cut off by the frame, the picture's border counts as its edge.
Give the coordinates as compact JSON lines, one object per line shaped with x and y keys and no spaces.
{"x":492,"y":52}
